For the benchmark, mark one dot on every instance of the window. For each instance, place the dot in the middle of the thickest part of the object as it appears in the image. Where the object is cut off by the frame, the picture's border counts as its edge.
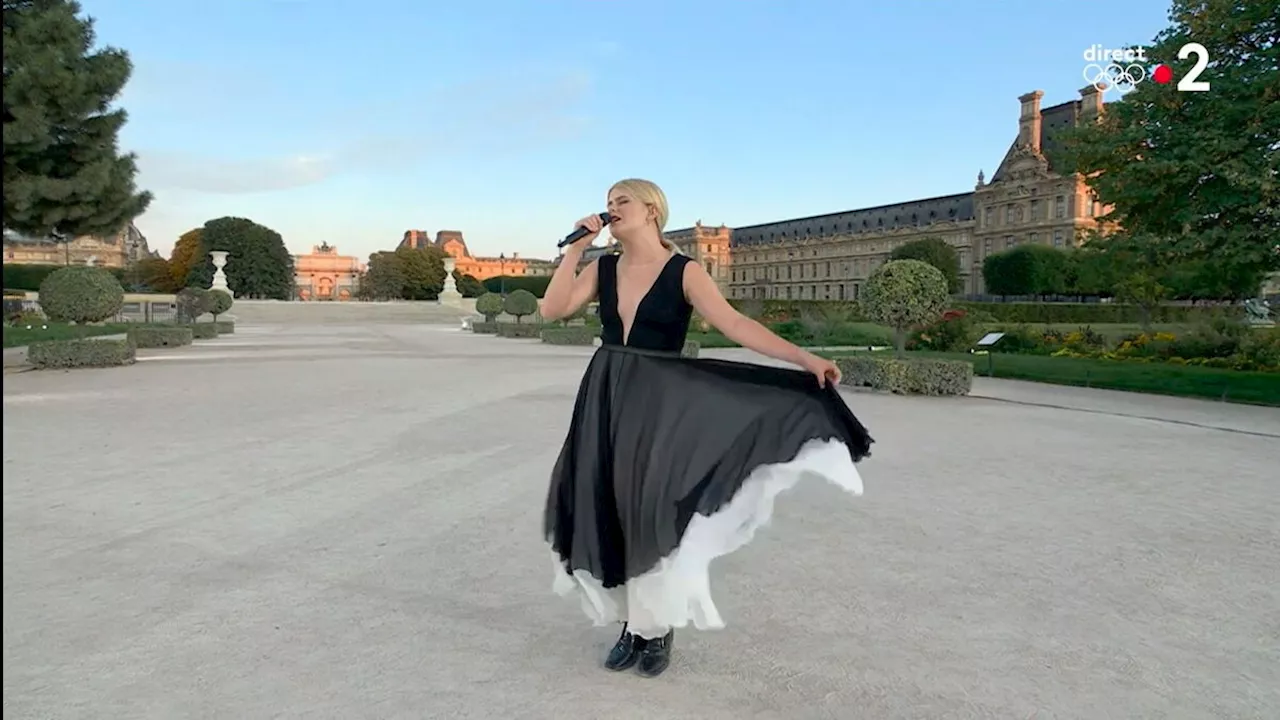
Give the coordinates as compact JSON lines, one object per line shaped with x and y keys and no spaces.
{"x":1009,"y":241}
{"x":1057,"y":238}
{"x":1035,"y":210}
{"x":1060,"y":207}
{"x":988,"y":217}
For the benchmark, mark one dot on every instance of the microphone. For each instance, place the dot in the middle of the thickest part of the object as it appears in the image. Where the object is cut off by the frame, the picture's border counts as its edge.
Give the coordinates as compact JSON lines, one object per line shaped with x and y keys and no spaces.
{"x":578,"y":234}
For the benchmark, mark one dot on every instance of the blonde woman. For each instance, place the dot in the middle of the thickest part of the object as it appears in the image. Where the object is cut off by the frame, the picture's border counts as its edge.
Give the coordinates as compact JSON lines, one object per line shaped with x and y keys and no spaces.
{"x":671,"y":462}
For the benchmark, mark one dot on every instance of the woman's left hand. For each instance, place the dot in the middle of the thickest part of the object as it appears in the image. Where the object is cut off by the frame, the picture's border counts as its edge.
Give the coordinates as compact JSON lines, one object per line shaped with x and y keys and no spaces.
{"x":822,"y":368}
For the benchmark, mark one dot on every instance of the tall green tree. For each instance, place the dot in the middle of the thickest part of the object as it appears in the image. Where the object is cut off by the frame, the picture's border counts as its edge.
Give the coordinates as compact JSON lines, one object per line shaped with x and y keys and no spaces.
{"x":1193,"y":174}
{"x":63,"y":173}
{"x":258,"y":263}
{"x":423,"y":270}
{"x":937,"y":253}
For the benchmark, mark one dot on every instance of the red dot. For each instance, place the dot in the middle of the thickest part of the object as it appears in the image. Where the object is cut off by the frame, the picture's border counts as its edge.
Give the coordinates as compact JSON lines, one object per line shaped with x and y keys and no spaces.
{"x":1162,"y":74}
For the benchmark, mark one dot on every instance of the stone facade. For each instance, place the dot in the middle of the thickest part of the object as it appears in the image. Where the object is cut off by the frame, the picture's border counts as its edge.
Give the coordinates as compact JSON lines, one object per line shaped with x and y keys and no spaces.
{"x":119,"y":250}
{"x":828,"y":257}
{"x":478,"y":267}
{"x":326,"y":275}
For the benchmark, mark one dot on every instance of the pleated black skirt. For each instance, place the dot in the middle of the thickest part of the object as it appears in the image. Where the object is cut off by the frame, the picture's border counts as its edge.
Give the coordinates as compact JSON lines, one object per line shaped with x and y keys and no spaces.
{"x":672,"y":462}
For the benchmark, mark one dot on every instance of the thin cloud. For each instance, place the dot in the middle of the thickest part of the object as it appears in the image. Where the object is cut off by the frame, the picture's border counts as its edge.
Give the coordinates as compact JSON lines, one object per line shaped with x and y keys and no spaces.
{"x":512,"y":113}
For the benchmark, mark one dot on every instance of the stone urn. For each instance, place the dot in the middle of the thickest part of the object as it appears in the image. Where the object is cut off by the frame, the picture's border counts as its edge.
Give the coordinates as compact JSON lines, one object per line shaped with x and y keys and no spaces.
{"x":219,"y":277}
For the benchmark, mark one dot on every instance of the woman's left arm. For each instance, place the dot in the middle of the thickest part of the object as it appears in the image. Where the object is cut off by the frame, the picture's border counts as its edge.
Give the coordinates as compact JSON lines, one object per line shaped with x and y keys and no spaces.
{"x":706,"y":298}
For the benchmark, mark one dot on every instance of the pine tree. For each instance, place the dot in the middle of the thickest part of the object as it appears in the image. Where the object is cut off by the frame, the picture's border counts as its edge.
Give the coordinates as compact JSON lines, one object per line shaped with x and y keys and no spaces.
{"x":63,"y":173}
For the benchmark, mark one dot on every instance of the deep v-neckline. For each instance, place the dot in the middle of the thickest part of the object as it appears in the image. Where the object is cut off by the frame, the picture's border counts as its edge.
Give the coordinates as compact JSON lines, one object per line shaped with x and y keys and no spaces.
{"x":617,"y":297}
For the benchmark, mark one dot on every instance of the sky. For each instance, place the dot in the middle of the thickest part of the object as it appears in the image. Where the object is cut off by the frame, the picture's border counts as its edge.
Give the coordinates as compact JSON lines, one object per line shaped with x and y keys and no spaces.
{"x":350,"y":123}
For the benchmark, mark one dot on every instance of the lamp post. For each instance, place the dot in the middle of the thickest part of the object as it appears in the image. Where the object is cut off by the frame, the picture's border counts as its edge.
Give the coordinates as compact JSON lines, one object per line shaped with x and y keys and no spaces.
{"x":502,"y":274}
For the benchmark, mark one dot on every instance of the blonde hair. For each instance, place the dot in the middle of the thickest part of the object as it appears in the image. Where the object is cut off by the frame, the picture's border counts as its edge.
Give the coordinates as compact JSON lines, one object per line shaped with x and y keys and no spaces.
{"x":651,"y":195}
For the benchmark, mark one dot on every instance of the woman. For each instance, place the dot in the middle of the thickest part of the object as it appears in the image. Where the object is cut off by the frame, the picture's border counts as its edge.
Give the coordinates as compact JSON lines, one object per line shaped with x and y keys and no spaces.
{"x":672,"y":462}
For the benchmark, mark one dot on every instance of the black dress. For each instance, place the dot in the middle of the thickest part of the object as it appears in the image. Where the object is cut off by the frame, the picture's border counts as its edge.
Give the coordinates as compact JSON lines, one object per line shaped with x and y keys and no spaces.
{"x":671,"y":462}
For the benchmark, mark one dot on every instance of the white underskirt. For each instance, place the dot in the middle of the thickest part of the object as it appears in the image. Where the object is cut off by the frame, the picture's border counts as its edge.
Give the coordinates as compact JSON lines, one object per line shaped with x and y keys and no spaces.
{"x":677,"y":591}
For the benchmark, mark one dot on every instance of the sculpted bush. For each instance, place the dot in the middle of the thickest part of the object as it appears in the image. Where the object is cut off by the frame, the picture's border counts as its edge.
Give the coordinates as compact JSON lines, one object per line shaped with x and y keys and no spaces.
{"x":520,"y":303}
{"x":220,"y":302}
{"x":904,"y":294}
{"x":81,"y":294}
{"x":490,"y":306}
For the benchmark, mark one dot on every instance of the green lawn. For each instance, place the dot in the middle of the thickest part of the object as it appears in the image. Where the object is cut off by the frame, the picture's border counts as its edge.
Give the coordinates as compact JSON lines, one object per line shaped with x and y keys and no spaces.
{"x":1111,"y":331}
{"x":20,"y":336}
{"x":1256,"y":388}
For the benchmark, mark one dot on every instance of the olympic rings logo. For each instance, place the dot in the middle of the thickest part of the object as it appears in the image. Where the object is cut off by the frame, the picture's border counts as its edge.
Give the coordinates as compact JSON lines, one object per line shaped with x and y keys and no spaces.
{"x":1121,"y":78}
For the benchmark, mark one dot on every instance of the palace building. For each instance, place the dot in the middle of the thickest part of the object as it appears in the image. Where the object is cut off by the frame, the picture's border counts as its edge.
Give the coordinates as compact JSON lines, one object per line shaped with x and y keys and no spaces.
{"x":482,"y":267}
{"x":829,"y":257}
{"x":325,"y":275}
{"x":116,"y":251}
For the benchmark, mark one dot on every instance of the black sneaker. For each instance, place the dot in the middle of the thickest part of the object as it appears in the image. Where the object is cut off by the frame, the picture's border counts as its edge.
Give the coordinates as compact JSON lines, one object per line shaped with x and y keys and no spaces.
{"x":625,"y":652}
{"x":655,"y":656}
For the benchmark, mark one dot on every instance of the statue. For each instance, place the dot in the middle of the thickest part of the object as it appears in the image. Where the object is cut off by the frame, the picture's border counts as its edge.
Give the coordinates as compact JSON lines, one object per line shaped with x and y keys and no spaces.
{"x":1257,"y":313}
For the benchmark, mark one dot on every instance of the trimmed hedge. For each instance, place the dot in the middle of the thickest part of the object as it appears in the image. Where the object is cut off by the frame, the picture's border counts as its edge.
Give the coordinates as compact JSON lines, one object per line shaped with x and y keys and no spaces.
{"x":519,"y":330}
{"x":158,"y":336}
{"x":80,"y":294}
{"x":204,"y":331}
{"x":226,"y":327}
{"x":907,"y":377}
{"x":1011,"y":312}
{"x":81,"y":353}
{"x":578,"y":335}
{"x":690,"y":350}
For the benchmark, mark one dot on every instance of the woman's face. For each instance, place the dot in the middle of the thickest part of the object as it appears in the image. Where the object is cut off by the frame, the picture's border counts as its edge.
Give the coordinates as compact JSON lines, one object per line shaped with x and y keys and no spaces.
{"x":626,"y":214}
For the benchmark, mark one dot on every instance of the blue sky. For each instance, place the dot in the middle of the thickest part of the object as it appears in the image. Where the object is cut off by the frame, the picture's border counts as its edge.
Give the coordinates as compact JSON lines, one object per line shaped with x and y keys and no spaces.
{"x":350,"y":123}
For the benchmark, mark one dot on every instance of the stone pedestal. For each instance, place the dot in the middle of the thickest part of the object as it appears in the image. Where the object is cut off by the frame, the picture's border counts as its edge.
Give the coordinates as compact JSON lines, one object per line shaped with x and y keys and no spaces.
{"x":219,"y":277}
{"x":450,"y":295}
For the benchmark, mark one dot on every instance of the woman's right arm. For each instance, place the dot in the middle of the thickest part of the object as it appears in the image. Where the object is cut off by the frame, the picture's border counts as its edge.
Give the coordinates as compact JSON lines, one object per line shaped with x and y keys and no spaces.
{"x":569,"y":289}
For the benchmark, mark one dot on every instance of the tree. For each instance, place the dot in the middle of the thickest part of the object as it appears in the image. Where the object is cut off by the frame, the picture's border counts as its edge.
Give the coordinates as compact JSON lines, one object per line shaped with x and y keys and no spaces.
{"x":384,"y":277}
{"x":423,"y":272}
{"x":937,"y":253}
{"x":1193,"y":173}
{"x":519,"y":304}
{"x":468,"y":285}
{"x":1142,"y":288}
{"x":63,"y":174}
{"x":193,"y":302}
{"x":152,"y":274}
{"x":186,"y":252}
{"x":1027,"y":270}
{"x":258,"y":263}
{"x":490,"y":306}
{"x":905,"y":294}
{"x":220,"y":301}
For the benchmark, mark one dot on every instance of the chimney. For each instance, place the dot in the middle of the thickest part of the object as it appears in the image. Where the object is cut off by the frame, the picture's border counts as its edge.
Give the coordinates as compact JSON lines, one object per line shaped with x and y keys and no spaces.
{"x":1090,"y":103}
{"x":1029,"y":121}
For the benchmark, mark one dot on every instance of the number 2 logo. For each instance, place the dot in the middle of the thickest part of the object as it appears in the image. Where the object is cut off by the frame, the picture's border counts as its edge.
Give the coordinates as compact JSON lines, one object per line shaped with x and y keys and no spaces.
{"x":1189,"y":83}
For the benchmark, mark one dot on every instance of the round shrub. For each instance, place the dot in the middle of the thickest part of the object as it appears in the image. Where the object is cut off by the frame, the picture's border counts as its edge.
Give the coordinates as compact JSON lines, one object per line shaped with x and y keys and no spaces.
{"x":489,"y":305}
{"x":81,"y":294}
{"x":520,"y":303}
{"x":221,"y":302}
{"x":904,"y":294}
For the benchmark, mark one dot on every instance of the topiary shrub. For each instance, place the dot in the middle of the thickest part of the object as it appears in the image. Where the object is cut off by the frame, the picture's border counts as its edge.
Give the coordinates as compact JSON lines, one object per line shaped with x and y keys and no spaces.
{"x":220,"y":301}
{"x":904,"y":294}
{"x":519,"y":304}
{"x":157,"y":336}
{"x":193,"y":302}
{"x":225,"y":327}
{"x":907,"y":377}
{"x":81,"y":294}
{"x":204,"y":331}
{"x":484,"y":328}
{"x":516,"y":330}
{"x":490,"y":306}
{"x":81,"y":353}
{"x":577,"y":335}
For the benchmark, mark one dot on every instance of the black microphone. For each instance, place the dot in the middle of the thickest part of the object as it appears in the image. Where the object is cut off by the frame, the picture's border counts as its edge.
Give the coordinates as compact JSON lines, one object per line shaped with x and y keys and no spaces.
{"x":577,"y":235}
